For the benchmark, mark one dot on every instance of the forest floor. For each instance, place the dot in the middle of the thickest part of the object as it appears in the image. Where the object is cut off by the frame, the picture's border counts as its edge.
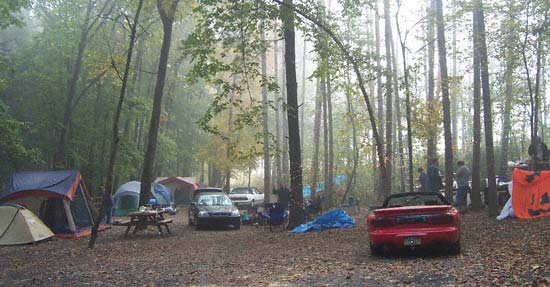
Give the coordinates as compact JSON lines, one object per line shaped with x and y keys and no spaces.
{"x":511,"y":252}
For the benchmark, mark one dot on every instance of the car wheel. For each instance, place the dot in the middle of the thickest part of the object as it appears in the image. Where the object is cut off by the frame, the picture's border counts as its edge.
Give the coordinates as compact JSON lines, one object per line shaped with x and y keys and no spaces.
{"x":455,"y":248}
{"x":237,"y":225}
{"x":376,"y":250}
{"x":190,"y":222}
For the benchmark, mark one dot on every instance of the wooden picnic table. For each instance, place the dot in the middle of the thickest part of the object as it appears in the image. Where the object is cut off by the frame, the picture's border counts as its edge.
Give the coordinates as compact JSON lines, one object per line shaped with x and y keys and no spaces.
{"x":139,"y":220}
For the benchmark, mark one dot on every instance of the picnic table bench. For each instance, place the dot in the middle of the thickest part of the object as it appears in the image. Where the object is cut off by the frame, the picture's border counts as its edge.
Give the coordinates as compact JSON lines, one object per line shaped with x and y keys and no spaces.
{"x":139,"y":220}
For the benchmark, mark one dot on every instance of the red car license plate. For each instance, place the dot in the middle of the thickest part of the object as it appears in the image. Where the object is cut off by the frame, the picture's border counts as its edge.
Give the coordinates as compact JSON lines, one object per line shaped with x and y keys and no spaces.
{"x":412,"y":241}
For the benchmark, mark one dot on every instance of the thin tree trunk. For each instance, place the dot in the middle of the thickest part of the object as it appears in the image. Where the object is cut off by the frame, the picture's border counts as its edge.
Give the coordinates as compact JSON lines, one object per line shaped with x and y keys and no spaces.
{"x":116,"y":138}
{"x":487,"y":117}
{"x":167,"y":17}
{"x":278,"y":141}
{"x":408,"y":105}
{"x":440,"y":24}
{"x":296,"y":195}
{"x":316,"y":137}
{"x":431,"y":152}
{"x":329,"y":183}
{"x":327,"y":203}
{"x":303,"y":96}
{"x":379,"y":94}
{"x":397,"y":104}
{"x":508,"y":96}
{"x":265,"y":117}
{"x":284,"y":126}
{"x":228,"y":149}
{"x":389,"y":90}
{"x":476,"y":157}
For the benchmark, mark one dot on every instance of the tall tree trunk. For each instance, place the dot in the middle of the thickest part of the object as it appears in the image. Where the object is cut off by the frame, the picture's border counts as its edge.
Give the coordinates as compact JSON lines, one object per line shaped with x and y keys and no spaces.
{"x":278,"y":141}
{"x":296,"y":195}
{"x":326,"y":203}
{"x":487,"y":117}
{"x":454,"y":86}
{"x":440,"y":24}
{"x":167,"y":17}
{"x":265,"y":117}
{"x":303,"y":96}
{"x":407,"y":104}
{"x":355,"y":159}
{"x":284,"y":126}
{"x":476,"y":156}
{"x":116,"y":138}
{"x":388,"y":38}
{"x":329,"y":183}
{"x":379,"y":94}
{"x":228,"y":149}
{"x":397,"y":104}
{"x":508,"y":96}
{"x":431,"y":152}
{"x":316,"y":137}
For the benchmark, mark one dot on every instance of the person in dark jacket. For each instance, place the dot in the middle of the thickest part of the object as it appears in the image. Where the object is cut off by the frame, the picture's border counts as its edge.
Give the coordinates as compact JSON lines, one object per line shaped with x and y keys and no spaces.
{"x":434,"y":177}
{"x":423,"y":180}
{"x":539,"y":153}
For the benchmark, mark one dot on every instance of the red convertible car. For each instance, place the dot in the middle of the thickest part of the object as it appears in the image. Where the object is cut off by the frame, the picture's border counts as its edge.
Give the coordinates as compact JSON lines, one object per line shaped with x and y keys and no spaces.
{"x":414,"y":219}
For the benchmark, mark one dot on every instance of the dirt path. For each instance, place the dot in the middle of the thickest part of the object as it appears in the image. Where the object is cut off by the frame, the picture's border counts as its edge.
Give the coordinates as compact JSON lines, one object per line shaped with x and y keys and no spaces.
{"x":512,"y":252}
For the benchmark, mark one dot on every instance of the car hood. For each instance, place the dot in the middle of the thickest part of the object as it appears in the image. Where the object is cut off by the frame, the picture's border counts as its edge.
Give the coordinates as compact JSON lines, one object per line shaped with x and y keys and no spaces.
{"x":217,"y":208}
{"x":411,"y":210}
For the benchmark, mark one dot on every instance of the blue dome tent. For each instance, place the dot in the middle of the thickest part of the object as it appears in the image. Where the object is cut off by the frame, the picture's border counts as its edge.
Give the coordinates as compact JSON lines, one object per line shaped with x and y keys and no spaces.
{"x":126,"y":198}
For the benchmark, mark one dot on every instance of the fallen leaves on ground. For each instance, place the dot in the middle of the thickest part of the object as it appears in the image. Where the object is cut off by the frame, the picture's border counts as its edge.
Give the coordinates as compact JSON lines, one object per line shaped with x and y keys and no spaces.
{"x":505,"y":253}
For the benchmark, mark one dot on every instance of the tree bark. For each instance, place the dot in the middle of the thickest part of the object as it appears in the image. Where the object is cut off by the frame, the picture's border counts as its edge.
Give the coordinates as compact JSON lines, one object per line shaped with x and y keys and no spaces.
{"x":296,"y":195}
{"x":487,"y":117}
{"x":379,"y":93}
{"x":265,"y":117}
{"x":440,"y":25}
{"x":278,"y":142}
{"x":116,"y":137}
{"x":316,"y":138}
{"x":476,"y":156}
{"x":389,"y":90}
{"x":167,"y":17}
{"x":431,"y":152}
{"x":407,"y":104}
{"x":329,"y":183}
{"x":397,"y":103}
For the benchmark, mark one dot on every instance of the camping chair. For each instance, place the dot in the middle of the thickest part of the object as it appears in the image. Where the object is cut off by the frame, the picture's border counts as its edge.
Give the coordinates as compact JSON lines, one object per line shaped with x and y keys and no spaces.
{"x":277,"y":216}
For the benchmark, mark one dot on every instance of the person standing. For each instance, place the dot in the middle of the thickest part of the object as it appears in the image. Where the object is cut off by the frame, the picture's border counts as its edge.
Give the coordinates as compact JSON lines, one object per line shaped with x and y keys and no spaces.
{"x":434,"y":177}
{"x":462,"y":176}
{"x":539,"y":153}
{"x":423,"y":180}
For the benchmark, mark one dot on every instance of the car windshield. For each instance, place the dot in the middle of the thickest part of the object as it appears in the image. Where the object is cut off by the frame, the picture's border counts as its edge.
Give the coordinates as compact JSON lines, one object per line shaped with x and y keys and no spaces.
{"x":214,"y":199}
{"x":241,"y":191}
{"x":414,"y":200}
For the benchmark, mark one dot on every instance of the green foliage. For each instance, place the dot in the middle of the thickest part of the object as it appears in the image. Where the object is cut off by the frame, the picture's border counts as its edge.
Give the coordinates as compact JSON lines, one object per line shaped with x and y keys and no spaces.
{"x":9,"y":10}
{"x":13,"y":154}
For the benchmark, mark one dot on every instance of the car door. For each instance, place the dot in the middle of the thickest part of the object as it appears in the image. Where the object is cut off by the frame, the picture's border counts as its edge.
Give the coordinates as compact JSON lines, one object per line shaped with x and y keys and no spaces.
{"x":258,"y":196}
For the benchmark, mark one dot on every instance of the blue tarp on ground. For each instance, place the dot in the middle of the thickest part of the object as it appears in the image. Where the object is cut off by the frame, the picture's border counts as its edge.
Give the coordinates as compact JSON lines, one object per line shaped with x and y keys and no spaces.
{"x":333,"y":219}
